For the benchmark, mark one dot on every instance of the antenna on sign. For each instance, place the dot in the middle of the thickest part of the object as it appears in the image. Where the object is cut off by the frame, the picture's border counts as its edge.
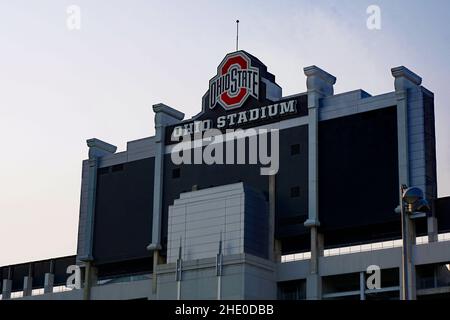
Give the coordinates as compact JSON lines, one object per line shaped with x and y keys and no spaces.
{"x":237,"y":35}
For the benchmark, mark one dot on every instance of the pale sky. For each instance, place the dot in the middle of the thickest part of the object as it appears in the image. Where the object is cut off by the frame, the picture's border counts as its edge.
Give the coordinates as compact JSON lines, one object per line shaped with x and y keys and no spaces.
{"x":60,"y":87}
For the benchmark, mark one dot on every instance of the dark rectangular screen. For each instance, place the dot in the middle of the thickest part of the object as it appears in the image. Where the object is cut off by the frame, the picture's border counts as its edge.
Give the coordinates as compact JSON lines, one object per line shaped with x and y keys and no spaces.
{"x":124,"y":211}
{"x":358,"y":177}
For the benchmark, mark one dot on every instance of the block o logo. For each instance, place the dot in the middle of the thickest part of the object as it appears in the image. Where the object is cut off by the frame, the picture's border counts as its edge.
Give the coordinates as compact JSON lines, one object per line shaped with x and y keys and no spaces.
{"x":236,"y":80}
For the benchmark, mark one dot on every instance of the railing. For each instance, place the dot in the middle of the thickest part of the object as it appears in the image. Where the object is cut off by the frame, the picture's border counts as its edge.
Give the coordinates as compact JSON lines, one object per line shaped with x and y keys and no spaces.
{"x":361,"y":248}
{"x":62,"y":288}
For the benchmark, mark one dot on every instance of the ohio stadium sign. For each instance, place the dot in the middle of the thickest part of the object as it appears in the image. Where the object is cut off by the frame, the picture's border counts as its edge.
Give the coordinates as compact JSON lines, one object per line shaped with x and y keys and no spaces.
{"x":248,"y":97}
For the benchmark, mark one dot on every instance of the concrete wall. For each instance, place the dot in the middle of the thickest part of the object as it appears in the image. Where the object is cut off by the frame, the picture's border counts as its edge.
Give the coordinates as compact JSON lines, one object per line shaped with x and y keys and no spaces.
{"x":244,"y":277}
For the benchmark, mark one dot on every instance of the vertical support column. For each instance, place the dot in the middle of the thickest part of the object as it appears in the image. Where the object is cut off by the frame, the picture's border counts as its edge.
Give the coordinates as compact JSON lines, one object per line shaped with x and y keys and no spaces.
{"x":432,"y":225}
{"x":274,"y":254}
{"x":49,"y":279}
{"x":408,"y":282}
{"x":407,"y":84}
{"x":362,"y":286}
{"x":97,"y":149}
{"x":164,"y":116}
{"x":411,"y":285}
{"x":319,"y":84}
{"x":90,"y":279}
{"x":27,"y":286}
{"x":28,"y":282}
{"x":7,"y":286}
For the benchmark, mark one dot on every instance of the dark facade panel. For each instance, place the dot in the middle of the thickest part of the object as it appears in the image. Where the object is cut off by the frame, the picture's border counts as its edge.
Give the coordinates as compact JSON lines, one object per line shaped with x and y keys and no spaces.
{"x":292,"y":183}
{"x":124,"y":211}
{"x":291,"y":212}
{"x":256,"y":223}
{"x":430,"y":146}
{"x":442,"y":209}
{"x":205,"y":176}
{"x":358,"y":177}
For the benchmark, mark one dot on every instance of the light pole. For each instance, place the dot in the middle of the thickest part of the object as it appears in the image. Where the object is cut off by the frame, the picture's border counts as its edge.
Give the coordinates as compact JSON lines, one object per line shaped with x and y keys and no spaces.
{"x":412,"y":206}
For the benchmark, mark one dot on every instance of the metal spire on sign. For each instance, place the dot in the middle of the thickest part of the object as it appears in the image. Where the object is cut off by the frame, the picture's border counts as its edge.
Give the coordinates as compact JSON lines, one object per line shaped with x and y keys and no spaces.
{"x":237,"y":35}
{"x":179,"y":250}
{"x":179,"y":264}
{"x":178,"y":270}
{"x":219,"y":265}
{"x":219,"y":258}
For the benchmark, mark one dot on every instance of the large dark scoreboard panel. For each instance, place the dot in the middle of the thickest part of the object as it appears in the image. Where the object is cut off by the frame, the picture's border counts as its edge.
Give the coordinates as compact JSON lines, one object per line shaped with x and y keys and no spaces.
{"x":358,"y":177}
{"x":123,"y":211}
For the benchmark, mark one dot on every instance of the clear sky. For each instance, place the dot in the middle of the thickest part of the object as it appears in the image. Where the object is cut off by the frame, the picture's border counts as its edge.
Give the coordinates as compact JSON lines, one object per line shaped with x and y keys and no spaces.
{"x":60,"y":87}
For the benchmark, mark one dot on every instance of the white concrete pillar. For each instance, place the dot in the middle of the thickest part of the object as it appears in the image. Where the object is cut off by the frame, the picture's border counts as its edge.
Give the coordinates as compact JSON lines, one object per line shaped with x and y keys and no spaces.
{"x":409,"y":107}
{"x":273,"y":255}
{"x":6,"y":291}
{"x":164,"y":116}
{"x":319,"y":84}
{"x":432,"y":229}
{"x":49,"y":282}
{"x":362,"y":286}
{"x":411,"y":285}
{"x":97,"y":149}
{"x":27,"y":286}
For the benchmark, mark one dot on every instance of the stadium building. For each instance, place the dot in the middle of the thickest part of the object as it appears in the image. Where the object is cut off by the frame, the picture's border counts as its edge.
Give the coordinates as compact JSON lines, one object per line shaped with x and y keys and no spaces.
{"x":317,"y":224}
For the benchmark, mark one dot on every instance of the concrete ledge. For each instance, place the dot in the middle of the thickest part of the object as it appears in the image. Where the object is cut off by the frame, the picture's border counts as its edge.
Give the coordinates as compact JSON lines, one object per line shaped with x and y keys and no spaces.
{"x":162,"y":108}
{"x":403,"y":72}
{"x":101,"y":145}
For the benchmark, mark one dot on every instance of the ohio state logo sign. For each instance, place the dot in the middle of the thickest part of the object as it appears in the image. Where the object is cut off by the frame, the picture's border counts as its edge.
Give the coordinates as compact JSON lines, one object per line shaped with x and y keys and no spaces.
{"x":235,"y":82}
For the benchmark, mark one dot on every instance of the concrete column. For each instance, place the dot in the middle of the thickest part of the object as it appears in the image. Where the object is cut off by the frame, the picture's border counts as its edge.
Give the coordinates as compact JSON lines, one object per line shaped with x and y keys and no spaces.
{"x":314,"y":280}
{"x":407,"y":83}
{"x":432,"y":225}
{"x":48,"y":283}
{"x":90,"y":280}
{"x":164,"y":116}
{"x":28,"y":282}
{"x":362,"y":286}
{"x":6,"y":291}
{"x":273,"y":255}
{"x":27,"y":286}
{"x":319,"y":84}
{"x":411,"y":285}
{"x":97,"y":149}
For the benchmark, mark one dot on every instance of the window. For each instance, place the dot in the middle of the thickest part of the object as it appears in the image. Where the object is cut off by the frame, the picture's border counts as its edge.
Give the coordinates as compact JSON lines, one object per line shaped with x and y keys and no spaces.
{"x":176,"y":173}
{"x":295,"y":149}
{"x":295,"y":192}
